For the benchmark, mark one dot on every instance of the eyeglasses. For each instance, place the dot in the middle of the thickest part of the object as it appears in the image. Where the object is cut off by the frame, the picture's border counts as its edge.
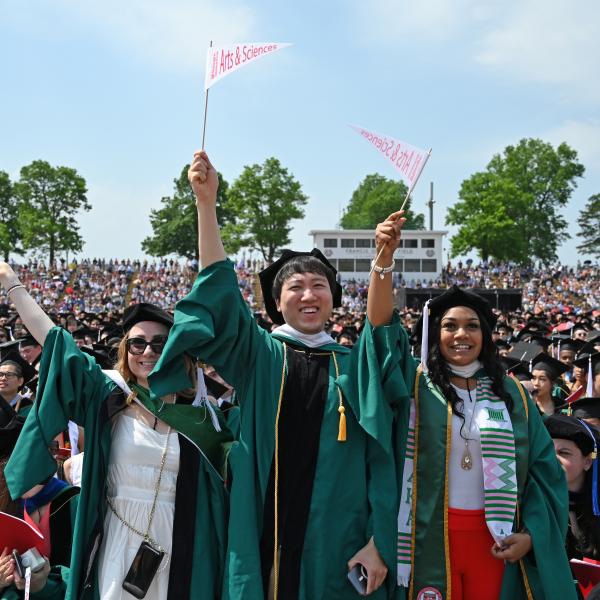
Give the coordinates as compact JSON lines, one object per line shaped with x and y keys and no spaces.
{"x":138,"y":345}
{"x":8,"y":375}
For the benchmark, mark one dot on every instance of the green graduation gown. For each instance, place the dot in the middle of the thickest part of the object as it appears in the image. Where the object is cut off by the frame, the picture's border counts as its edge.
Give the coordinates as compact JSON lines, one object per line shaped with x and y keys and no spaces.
{"x":72,"y":386}
{"x":544,"y":573}
{"x":354,"y":494}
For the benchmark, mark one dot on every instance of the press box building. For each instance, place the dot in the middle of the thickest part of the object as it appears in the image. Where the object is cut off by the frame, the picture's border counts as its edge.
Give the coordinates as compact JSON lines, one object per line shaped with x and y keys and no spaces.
{"x":419,"y":257}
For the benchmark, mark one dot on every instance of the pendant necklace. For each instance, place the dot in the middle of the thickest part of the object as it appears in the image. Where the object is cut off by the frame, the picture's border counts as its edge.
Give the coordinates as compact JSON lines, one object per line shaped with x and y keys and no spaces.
{"x":466,"y":462}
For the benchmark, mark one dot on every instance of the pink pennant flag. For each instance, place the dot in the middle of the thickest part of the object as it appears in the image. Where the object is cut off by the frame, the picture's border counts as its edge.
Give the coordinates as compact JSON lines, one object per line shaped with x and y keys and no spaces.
{"x":406,"y":159}
{"x":223,"y":60}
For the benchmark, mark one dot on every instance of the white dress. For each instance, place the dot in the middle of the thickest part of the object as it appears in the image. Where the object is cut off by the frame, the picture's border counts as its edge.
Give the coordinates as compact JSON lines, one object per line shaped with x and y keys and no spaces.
{"x":133,"y":469}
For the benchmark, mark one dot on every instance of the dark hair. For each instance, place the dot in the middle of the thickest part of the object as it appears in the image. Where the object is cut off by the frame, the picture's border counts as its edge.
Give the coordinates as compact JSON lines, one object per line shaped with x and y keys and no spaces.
{"x":301,"y":264}
{"x":15,"y":365}
{"x":440,"y":374}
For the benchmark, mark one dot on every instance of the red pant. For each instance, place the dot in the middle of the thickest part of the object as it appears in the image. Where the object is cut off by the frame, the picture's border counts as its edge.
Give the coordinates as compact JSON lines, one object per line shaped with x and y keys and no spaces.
{"x":476,"y":574}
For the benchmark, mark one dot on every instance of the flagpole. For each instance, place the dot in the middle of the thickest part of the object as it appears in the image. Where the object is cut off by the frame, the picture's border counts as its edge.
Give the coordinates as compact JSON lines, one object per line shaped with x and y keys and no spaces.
{"x":205,"y":110}
{"x":410,"y":190}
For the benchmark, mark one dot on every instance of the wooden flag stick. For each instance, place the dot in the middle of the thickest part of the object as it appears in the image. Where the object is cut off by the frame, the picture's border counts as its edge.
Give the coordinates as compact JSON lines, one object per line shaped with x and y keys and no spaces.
{"x":410,"y":190}
{"x":205,"y":110}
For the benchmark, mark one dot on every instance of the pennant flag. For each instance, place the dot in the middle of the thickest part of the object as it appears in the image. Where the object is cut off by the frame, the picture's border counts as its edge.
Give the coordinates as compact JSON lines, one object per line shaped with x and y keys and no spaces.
{"x":223,"y":60}
{"x":406,"y":159}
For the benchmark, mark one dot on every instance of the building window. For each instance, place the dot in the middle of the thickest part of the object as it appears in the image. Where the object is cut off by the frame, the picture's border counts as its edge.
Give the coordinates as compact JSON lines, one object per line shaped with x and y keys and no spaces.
{"x":363,"y":243}
{"x":363,"y":265}
{"x":330,"y":243}
{"x":333,"y":262}
{"x":411,"y":243}
{"x":347,"y":243}
{"x":412,"y":265}
{"x":429,"y":265}
{"x":427,"y":243}
{"x":399,"y":265}
{"x":346,"y":264}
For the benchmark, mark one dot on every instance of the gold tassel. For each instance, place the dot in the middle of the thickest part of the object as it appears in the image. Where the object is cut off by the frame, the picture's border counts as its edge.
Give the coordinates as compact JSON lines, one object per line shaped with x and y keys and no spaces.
{"x":342,"y":425}
{"x":341,"y":409}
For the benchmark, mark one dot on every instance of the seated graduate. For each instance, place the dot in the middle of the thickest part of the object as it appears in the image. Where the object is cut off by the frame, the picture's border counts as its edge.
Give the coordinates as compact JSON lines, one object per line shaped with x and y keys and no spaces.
{"x":576,"y":445}
{"x":15,"y":373}
{"x":50,"y":508}
{"x":152,"y":487}
{"x":546,"y":371}
{"x":313,"y":478}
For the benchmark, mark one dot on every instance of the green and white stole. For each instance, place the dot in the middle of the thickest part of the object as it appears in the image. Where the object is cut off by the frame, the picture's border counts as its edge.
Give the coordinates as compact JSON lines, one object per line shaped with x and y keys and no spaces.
{"x":499,"y":473}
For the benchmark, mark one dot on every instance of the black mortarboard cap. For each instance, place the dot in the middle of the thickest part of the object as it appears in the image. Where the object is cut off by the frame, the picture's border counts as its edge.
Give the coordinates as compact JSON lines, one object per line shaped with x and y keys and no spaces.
{"x":456,"y":296}
{"x":82,"y":332}
{"x":7,"y":347}
{"x":28,"y":340}
{"x":267,"y":278}
{"x":570,"y":428}
{"x":215,"y":388}
{"x":583,"y":362}
{"x":553,"y":367}
{"x":516,"y":367}
{"x":101,"y":355}
{"x":136,"y":313}
{"x":572,"y":344}
{"x":524,"y":351}
{"x":586,"y":408}
{"x":500,"y":343}
{"x":28,"y":370}
{"x":593,"y":336}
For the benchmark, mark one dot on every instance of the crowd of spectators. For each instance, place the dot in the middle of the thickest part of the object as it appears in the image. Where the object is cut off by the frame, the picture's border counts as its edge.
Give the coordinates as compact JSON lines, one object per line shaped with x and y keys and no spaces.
{"x":105,"y":286}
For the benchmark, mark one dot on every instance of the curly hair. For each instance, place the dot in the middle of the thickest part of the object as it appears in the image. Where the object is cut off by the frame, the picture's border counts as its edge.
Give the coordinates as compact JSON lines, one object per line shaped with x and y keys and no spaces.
{"x":440,"y":373}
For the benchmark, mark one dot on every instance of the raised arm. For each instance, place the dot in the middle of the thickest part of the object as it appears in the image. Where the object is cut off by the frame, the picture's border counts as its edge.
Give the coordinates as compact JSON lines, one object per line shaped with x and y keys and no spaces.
{"x":37,"y":322}
{"x":205,"y":183}
{"x":380,"y":301}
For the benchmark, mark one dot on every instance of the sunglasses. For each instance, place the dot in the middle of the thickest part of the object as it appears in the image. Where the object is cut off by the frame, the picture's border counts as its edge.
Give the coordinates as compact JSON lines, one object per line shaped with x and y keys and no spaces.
{"x":137,"y":345}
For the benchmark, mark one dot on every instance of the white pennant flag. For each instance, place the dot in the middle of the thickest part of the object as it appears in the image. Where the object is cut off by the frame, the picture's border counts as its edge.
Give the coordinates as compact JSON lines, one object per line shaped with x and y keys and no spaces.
{"x":406,"y":159}
{"x":223,"y":60}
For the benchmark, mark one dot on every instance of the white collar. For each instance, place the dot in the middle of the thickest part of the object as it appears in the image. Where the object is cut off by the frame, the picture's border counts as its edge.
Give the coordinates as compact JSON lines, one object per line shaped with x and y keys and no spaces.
{"x":312,"y":340}
{"x":466,"y":371}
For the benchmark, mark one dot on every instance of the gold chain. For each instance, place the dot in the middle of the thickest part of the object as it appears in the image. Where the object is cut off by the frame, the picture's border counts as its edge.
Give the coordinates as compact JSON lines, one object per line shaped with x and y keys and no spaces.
{"x":146,"y":536}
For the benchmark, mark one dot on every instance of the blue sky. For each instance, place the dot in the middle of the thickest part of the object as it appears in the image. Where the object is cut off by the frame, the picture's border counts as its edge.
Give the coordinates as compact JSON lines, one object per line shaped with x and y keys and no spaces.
{"x":115,"y":90}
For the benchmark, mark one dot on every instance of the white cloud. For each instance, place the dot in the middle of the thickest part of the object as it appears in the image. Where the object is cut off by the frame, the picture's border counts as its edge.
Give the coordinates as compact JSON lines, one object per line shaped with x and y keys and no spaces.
{"x":548,"y":41}
{"x":170,"y":33}
{"x":553,"y":41}
{"x":583,"y":136}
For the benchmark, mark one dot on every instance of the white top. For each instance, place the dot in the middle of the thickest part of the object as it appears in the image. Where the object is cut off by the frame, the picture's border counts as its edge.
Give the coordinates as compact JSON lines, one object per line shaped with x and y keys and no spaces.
{"x":465,"y":487}
{"x":133,"y":469}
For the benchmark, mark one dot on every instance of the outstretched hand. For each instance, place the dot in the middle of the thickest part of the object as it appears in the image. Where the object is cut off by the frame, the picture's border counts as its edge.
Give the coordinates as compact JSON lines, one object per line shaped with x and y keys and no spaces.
{"x":203,"y":179}
{"x":388,"y":234}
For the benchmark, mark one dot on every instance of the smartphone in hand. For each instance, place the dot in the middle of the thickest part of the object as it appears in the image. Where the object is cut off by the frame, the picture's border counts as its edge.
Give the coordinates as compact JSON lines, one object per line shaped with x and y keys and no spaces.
{"x":358,"y":578}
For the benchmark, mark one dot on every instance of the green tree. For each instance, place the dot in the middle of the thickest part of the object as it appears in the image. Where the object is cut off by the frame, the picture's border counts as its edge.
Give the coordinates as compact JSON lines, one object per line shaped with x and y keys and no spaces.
{"x":589,"y":222}
{"x":374,"y":199}
{"x":512,"y":209}
{"x":264,"y":198}
{"x":50,"y":198}
{"x":175,"y":224}
{"x":9,"y":218}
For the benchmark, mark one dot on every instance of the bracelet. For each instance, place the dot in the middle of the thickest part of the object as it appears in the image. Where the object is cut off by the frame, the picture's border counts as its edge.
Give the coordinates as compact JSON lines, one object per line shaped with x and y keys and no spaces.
{"x":14,"y":287}
{"x":382,"y":270}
